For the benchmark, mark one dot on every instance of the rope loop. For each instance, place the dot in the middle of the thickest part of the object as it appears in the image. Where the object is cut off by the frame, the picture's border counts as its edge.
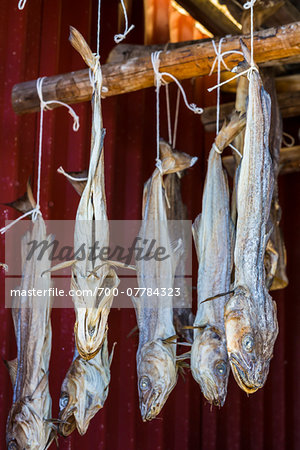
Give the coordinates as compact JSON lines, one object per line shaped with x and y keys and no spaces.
{"x":21,"y":4}
{"x":249,"y":4}
{"x":120,"y":37}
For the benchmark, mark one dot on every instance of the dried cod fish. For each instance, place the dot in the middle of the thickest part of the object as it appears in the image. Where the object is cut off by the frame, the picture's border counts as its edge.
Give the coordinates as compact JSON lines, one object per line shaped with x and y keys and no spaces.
{"x":92,"y":227}
{"x":85,"y":387}
{"x":84,"y":391}
{"x":212,"y":231}
{"x":156,"y":356}
{"x":250,"y":314}
{"x":29,"y":422}
{"x":177,"y":210}
{"x":275,"y":257}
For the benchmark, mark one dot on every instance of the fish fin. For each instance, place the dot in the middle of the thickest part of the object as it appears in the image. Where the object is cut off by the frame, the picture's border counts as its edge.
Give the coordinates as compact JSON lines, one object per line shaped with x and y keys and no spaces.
{"x":134,"y":329}
{"x":78,"y":185}
{"x":217,"y":296}
{"x":79,"y":43}
{"x":137,"y":306}
{"x":170,"y":339}
{"x":60,"y":266}
{"x":230,"y":130}
{"x":26,"y":202}
{"x":116,"y":264}
{"x":172,"y":160}
{"x":112,"y":354}
{"x":183,"y":356}
{"x":12,"y":367}
{"x":195,"y":232}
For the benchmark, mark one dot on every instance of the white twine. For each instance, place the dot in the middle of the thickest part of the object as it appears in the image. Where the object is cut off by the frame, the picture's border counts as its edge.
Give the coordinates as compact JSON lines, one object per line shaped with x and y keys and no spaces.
{"x":291,"y":138}
{"x":61,"y":170}
{"x":159,"y":80}
{"x":44,"y":105}
{"x":98,"y":27}
{"x":120,"y":37}
{"x":168,"y":114}
{"x":21,"y":4}
{"x":176,"y":118}
{"x":252,"y":68}
{"x":219,"y":58}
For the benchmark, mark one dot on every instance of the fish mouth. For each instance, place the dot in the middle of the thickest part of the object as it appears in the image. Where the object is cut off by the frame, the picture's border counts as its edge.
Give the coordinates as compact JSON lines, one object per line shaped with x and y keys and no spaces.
{"x":152,"y":407}
{"x":87,"y":350}
{"x":68,"y":424}
{"x":241,"y":377}
{"x":211,"y":391}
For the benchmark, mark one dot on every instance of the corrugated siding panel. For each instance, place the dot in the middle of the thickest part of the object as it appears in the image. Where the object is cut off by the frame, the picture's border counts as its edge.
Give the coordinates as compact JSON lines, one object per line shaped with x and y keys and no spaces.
{"x":34,"y":43}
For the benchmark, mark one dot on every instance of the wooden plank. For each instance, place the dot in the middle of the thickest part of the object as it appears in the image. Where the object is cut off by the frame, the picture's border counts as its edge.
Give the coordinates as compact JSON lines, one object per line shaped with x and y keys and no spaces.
{"x":210,"y":16}
{"x":270,"y":46}
{"x":289,"y":161}
{"x":289,"y":103}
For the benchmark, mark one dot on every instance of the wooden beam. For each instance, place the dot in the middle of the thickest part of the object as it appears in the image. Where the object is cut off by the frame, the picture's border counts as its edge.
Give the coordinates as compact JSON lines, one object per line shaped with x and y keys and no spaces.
{"x":214,"y":20}
{"x":194,"y":60}
{"x":289,"y":103}
{"x":289,"y":161}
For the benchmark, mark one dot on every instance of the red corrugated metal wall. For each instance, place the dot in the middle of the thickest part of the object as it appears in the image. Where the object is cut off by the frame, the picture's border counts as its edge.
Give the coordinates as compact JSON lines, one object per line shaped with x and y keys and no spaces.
{"x":35,"y":43}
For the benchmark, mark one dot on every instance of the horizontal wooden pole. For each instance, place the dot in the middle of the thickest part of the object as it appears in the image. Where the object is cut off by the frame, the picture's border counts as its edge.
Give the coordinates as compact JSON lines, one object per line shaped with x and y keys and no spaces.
{"x":289,"y":161}
{"x":289,"y":104}
{"x":193,"y":60}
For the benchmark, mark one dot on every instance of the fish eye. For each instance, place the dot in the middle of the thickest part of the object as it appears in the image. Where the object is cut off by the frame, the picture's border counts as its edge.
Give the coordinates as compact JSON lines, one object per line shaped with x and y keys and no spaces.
{"x":63,"y":401}
{"x":12,"y":445}
{"x":144,"y":383}
{"x":248,"y":343}
{"x":221,"y":368}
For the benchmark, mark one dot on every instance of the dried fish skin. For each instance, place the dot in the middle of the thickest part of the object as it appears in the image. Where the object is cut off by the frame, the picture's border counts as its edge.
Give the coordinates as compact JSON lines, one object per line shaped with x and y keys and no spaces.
{"x":28,"y":424}
{"x":212,"y":236}
{"x":275,"y":257}
{"x":84,"y":391}
{"x":156,"y":355}
{"x":92,"y":226}
{"x":250,"y":314}
{"x":182,"y":315}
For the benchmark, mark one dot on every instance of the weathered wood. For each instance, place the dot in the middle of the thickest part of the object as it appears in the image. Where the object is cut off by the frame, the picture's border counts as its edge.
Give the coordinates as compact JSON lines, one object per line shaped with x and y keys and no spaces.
{"x":210,"y":16}
{"x":289,"y":161}
{"x":289,"y":103}
{"x":193,"y":60}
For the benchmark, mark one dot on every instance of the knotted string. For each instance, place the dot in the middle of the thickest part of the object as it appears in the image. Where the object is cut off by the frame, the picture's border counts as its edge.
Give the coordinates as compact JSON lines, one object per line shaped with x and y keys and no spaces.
{"x":252,"y":68}
{"x":159,"y":81}
{"x":120,"y":37}
{"x":21,"y":4}
{"x":219,"y":58}
{"x":44,"y":105}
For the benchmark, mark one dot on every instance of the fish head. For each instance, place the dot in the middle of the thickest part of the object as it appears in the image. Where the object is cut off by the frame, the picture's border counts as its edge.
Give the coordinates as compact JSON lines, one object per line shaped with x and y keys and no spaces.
{"x":250,"y":338}
{"x":210,"y":364}
{"x":157,"y":376}
{"x":83,"y":393}
{"x":26,"y":429}
{"x":92,"y":310}
{"x":172,"y":160}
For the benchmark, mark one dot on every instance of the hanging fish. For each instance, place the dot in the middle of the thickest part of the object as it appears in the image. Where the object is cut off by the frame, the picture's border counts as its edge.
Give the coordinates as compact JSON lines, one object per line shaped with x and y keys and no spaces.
{"x":84,"y":391}
{"x":250,"y":314}
{"x":85,"y":387}
{"x":29,"y":424}
{"x":91,"y":227}
{"x":275,"y":257}
{"x":177,"y":211}
{"x":156,"y":356}
{"x":212,"y":231}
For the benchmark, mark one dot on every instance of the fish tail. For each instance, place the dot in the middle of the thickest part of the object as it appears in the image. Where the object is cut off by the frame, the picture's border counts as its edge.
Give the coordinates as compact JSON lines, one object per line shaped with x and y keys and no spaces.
{"x":172,"y":160}
{"x":26,"y":202}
